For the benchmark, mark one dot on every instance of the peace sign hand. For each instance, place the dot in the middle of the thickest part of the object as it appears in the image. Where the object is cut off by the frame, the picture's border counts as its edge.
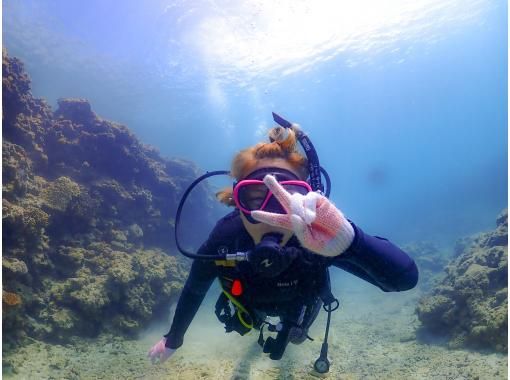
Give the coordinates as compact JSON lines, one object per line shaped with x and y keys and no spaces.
{"x":317,"y":223}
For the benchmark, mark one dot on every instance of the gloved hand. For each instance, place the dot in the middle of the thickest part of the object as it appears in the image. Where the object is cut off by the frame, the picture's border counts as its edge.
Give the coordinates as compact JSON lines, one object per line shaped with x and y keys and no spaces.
{"x":316,"y":222}
{"x":159,"y":352}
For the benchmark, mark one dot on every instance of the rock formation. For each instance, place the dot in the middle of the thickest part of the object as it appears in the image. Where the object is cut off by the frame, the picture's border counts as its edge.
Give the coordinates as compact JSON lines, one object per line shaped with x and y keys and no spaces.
{"x":430,"y":261}
{"x":470,"y":305}
{"x":88,"y":212}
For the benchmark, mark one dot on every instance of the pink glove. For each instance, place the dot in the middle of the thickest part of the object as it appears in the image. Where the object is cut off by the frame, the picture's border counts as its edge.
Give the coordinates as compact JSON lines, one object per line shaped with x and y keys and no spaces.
{"x":159,"y":352}
{"x":317,"y":223}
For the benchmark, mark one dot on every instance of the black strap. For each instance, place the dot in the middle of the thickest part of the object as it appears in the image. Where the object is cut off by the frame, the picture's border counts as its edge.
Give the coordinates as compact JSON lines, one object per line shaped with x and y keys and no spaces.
{"x":325,"y":293}
{"x":230,"y":319}
{"x":222,"y":308}
{"x":260,"y":341}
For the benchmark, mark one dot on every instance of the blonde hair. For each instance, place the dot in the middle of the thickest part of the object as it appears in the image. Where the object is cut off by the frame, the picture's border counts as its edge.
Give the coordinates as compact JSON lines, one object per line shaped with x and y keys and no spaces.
{"x":283,"y":145}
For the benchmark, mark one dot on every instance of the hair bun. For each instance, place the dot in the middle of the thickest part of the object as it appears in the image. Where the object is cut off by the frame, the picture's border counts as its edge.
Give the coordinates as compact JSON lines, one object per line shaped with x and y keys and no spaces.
{"x":285,"y":137}
{"x":278,"y":134}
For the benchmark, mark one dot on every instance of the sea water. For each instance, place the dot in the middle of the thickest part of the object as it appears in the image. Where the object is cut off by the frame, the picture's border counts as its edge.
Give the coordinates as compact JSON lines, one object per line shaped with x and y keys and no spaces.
{"x":405,"y":102}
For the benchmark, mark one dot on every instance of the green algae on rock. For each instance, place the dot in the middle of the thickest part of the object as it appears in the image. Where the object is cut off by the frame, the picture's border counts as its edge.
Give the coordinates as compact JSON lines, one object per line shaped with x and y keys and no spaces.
{"x":430,"y":261}
{"x":470,"y":305}
{"x":88,"y":210}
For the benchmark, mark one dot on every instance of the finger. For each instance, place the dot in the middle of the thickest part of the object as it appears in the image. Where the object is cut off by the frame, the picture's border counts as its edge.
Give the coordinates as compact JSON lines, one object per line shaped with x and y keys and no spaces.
{"x":165,"y":356}
{"x":310,"y":238}
{"x":305,"y":206}
{"x":278,"y":191}
{"x":310,"y":203}
{"x":275,"y":220}
{"x":298,"y":226}
{"x":329,"y":217}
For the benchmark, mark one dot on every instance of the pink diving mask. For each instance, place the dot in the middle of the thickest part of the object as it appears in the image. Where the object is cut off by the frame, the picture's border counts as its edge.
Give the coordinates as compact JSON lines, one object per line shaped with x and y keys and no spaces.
{"x":252,"y":194}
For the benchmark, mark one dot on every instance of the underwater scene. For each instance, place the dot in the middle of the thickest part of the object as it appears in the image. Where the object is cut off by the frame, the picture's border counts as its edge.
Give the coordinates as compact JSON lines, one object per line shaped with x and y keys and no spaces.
{"x":364,"y":237}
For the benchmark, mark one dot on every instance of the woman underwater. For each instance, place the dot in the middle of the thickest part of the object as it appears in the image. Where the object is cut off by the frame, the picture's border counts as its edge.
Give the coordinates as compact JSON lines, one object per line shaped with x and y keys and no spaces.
{"x":292,"y":235}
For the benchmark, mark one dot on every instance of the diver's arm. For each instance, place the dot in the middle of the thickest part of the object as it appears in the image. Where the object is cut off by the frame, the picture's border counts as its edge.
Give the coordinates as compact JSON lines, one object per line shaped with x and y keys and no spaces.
{"x":199,"y":281}
{"x":379,"y":262}
{"x":201,"y":276}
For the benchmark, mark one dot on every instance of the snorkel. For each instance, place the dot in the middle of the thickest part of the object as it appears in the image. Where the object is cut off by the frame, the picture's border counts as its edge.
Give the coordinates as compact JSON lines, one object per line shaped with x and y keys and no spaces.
{"x":314,"y":169}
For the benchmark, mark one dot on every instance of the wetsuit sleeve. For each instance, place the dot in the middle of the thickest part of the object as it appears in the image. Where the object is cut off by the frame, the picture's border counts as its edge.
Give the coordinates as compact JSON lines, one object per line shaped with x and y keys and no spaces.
{"x":379,"y":262}
{"x":199,"y":281}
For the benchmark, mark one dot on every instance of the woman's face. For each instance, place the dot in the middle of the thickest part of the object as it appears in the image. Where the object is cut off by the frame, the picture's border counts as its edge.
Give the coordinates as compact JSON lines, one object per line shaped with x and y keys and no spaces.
{"x":258,"y":230}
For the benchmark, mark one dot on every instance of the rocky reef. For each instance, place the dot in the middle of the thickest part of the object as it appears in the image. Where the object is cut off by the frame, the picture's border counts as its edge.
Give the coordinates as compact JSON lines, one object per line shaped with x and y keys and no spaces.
{"x":469,"y":306}
{"x":87,"y":222}
{"x":431,"y":261}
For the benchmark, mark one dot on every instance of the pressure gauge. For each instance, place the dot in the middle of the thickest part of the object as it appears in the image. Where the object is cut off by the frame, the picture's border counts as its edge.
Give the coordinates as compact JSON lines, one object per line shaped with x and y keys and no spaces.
{"x":321,"y":365}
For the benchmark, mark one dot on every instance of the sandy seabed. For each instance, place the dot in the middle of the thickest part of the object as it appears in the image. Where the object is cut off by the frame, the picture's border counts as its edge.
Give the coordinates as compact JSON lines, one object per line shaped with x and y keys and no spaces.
{"x":372,"y":337}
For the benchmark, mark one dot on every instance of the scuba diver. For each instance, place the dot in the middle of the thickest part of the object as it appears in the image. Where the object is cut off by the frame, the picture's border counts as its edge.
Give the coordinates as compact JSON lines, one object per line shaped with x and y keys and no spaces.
{"x":272,"y":253}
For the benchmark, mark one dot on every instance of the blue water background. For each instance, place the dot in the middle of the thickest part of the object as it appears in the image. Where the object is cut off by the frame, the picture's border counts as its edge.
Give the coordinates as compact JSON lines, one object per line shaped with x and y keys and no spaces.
{"x":411,"y":126}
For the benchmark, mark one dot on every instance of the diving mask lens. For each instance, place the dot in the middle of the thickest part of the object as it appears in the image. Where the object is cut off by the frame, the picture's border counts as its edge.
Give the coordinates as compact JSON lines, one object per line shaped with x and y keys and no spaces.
{"x":251,"y":195}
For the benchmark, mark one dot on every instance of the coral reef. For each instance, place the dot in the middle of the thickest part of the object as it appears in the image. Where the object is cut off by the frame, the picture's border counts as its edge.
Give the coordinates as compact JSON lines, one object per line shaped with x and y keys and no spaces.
{"x":87,"y":220}
{"x":470,"y":305}
{"x":11,"y":299}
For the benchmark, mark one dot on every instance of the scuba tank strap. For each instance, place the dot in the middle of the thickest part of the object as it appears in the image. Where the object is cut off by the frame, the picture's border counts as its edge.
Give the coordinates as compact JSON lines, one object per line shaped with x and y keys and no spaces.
{"x":275,"y":347}
{"x":270,"y":327}
{"x":261,"y":339}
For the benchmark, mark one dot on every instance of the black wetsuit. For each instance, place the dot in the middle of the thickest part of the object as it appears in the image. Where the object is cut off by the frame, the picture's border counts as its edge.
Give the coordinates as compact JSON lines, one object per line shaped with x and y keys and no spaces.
{"x":373,"y":259}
